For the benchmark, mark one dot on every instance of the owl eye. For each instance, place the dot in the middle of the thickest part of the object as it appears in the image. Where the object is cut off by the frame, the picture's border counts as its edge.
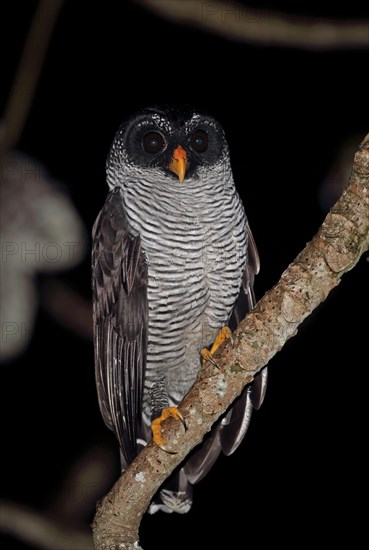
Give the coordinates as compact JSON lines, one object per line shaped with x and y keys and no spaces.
{"x":199,"y":141}
{"x":153,"y":143}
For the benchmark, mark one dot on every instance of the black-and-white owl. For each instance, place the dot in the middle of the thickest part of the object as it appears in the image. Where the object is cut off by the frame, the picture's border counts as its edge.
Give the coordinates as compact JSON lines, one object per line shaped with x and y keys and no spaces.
{"x":174,"y":261}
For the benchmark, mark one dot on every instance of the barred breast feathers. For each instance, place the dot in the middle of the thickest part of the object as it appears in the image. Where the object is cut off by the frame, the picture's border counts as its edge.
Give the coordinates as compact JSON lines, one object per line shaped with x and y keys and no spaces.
{"x":195,"y":241}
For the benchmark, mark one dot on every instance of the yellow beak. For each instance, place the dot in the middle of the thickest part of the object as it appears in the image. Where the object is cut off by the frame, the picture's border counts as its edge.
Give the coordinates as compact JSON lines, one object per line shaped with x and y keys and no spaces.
{"x":178,"y":165}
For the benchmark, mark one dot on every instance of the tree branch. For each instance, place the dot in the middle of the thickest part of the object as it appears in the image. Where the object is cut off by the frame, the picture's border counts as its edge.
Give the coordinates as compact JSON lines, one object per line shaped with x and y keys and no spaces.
{"x":334,"y":250}
{"x":257,"y":26}
{"x":40,"y":531}
{"x":28,"y":73}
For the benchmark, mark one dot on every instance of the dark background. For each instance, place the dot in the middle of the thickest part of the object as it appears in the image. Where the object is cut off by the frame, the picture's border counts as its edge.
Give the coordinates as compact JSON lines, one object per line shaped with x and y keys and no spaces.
{"x":286,"y":113}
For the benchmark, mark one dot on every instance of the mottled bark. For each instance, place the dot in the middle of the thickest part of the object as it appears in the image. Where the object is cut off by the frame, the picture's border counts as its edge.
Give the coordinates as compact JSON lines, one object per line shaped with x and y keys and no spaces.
{"x":335,"y":249}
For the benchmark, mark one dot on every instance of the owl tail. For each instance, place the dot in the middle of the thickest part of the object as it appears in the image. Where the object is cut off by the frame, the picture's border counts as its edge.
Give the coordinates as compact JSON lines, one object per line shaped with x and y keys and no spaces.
{"x":176,"y":493}
{"x":174,"y":496}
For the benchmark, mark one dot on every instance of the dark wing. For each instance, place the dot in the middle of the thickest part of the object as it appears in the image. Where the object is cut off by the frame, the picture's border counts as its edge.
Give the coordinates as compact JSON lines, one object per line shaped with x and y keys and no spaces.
{"x":119,"y":284}
{"x":230,"y":431}
{"x":246,"y":299}
{"x":235,"y":424}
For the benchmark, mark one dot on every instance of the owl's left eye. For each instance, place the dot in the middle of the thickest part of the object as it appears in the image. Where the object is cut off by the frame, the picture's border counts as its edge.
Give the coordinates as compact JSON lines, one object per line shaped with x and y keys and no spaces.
{"x":153,"y":143}
{"x":199,"y":141}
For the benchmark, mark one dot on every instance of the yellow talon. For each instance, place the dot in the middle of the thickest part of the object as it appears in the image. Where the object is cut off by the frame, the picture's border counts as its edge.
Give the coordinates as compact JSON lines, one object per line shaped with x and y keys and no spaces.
{"x":224,"y":334}
{"x":206,"y":356}
{"x":168,"y":412}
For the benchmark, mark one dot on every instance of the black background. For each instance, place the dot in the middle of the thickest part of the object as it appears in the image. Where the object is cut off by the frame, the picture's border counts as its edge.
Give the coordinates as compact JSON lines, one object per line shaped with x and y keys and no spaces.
{"x":296,"y":478}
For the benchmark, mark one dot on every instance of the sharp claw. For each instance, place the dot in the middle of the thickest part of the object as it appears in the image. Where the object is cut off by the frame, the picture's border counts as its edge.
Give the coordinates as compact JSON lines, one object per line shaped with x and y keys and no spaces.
{"x":214,"y":363}
{"x":206,"y":356}
{"x":180,"y":417}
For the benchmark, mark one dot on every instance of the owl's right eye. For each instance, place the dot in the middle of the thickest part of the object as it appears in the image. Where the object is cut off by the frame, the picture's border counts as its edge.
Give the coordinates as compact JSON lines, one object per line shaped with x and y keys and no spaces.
{"x":153,"y":143}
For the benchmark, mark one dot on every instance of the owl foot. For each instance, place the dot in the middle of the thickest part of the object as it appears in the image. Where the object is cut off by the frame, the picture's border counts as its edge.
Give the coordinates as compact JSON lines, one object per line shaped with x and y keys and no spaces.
{"x":168,"y":412}
{"x":224,"y":334}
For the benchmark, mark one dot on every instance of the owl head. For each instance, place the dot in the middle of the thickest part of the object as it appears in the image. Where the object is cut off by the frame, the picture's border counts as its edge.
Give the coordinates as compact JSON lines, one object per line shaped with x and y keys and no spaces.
{"x":167,"y":145}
